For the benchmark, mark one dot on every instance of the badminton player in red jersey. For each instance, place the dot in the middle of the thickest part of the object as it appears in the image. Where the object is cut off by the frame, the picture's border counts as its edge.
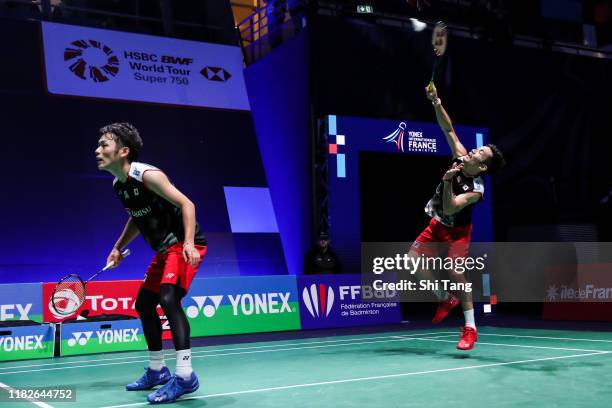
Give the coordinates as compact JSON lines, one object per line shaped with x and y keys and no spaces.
{"x":165,"y":218}
{"x":450,"y":209}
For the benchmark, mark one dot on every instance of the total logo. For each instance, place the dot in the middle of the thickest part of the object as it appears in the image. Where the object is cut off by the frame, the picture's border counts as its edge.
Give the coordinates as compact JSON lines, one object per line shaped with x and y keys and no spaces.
{"x":99,"y":302}
{"x":244,"y":303}
{"x":11,"y":311}
{"x":319,"y":303}
{"x":104,"y":337}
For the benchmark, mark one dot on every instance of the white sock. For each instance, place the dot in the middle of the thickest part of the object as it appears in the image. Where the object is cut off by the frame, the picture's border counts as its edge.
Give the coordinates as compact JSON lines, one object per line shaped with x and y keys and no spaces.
{"x":183,"y":363}
{"x":469,"y":318}
{"x":156,"y":360}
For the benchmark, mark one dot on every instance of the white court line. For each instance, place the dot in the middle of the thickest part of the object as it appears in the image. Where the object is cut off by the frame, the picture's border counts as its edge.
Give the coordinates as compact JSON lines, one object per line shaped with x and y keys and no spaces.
{"x":32,"y":400}
{"x":172,"y":354}
{"x":542,"y":337}
{"x":378,"y":377}
{"x":389,"y":339}
{"x":394,"y":339}
{"x":514,"y":345}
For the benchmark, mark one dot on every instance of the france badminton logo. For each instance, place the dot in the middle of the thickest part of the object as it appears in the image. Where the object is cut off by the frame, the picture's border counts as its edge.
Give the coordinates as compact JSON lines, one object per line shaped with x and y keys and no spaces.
{"x":397,"y":136}
{"x":318,"y":304}
{"x":66,"y":300}
{"x":80,"y":338}
{"x":208,"y":310}
{"x":91,"y":60}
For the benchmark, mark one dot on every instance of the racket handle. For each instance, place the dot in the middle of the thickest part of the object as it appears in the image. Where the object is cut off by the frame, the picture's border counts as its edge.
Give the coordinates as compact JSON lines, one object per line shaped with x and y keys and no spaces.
{"x":125,"y":253}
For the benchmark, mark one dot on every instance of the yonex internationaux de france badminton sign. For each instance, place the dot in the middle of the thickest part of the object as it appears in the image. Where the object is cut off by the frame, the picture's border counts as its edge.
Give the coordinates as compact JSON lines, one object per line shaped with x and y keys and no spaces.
{"x":90,"y":62}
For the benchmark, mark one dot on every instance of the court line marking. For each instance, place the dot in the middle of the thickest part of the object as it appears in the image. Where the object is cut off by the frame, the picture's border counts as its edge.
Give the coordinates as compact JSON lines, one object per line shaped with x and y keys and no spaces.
{"x":32,"y":400}
{"x":391,"y":339}
{"x":514,"y":345}
{"x":373,"y":378}
{"x":395,"y":339}
{"x":544,"y":337}
{"x":169,"y":355}
{"x":195,"y":352}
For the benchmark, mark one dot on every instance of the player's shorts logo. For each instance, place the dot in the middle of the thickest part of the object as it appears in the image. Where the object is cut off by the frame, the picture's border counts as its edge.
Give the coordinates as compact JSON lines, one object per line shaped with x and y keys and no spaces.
{"x":91,"y":60}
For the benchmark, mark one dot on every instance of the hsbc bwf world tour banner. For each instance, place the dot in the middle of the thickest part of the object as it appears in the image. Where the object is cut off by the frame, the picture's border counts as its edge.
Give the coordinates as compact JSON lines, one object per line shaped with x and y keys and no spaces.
{"x":90,"y":62}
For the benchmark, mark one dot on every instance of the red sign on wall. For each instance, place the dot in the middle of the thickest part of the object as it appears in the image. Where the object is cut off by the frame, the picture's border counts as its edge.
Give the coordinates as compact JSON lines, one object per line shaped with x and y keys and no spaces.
{"x":103,"y":297}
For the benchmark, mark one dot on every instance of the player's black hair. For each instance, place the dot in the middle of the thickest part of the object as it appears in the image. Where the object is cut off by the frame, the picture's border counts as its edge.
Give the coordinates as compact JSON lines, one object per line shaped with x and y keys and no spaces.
{"x":126,"y":135}
{"x":496,"y":162}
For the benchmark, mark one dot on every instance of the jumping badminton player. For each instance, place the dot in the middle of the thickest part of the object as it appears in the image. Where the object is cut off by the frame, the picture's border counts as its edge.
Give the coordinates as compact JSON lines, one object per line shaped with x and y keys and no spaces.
{"x":166,"y":219}
{"x":450,"y":210}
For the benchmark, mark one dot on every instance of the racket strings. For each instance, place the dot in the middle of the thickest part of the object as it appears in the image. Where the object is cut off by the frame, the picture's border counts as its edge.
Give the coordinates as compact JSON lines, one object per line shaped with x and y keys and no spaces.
{"x":68,"y":296}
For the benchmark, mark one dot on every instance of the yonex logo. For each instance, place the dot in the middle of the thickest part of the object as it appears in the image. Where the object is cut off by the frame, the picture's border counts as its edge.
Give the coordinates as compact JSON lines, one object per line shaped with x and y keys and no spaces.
{"x":90,"y":59}
{"x":318,"y":304}
{"x":7,"y":312}
{"x":169,"y":275}
{"x":208,"y":310}
{"x":21,"y":343}
{"x":80,"y":337}
{"x":215,"y":74}
{"x":104,"y":337}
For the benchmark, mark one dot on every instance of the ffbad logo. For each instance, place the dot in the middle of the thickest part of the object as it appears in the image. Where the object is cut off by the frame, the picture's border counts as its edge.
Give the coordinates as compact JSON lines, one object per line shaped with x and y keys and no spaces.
{"x":21,"y":343}
{"x":104,"y":337}
{"x":319,"y":304}
{"x":244,"y":303}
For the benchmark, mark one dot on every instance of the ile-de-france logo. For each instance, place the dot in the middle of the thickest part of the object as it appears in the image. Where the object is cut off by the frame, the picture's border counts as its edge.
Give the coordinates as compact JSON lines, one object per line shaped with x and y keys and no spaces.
{"x":397,"y":136}
{"x":209,"y":310}
{"x":319,"y":304}
{"x":91,"y":60}
{"x":80,"y":337}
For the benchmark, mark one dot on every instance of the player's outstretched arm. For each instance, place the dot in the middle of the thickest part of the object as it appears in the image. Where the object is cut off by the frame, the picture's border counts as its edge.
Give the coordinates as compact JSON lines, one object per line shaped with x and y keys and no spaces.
{"x":445,"y":122}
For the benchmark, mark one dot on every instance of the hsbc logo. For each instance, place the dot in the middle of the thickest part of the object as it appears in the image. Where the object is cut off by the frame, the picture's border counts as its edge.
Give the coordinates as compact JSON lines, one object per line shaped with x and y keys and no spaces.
{"x":319,"y":303}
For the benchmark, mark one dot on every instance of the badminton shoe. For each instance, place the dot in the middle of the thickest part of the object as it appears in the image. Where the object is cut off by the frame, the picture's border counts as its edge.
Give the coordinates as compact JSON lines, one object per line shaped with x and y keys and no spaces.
{"x":150,"y":379}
